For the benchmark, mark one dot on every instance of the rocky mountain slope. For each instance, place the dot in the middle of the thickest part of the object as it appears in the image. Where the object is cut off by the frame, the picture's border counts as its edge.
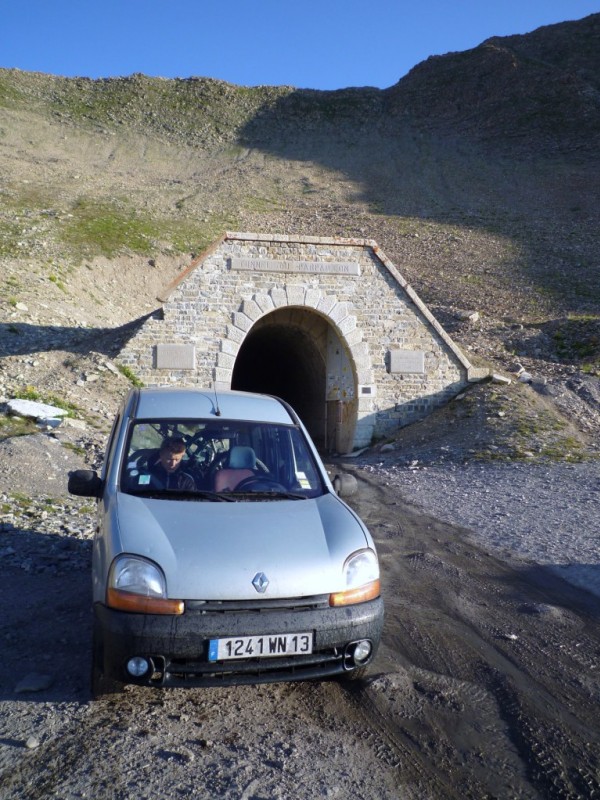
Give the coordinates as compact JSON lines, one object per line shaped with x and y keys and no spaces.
{"x":477,"y":174}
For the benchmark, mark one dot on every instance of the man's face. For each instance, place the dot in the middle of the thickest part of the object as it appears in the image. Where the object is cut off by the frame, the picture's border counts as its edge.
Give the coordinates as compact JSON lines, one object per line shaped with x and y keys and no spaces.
{"x":171,"y":459}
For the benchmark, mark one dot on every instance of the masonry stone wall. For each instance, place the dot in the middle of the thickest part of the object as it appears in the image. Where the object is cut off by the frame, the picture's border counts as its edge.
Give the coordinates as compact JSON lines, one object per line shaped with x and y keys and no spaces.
{"x":375,"y":314}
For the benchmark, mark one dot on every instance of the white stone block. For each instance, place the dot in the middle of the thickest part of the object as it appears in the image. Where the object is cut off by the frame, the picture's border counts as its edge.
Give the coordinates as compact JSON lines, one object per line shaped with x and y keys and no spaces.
{"x":346,"y":325}
{"x":34,"y":410}
{"x":241,"y":320}
{"x":251,"y":309}
{"x":264,"y":302}
{"x":223,"y":376}
{"x":407,"y":362}
{"x":235,"y":334}
{"x":364,"y":376}
{"x":312,"y":297}
{"x":365,"y":405}
{"x":230,"y":347}
{"x":339,"y":312}
{"x":325,"y":304}
{"x":295,"y":295}
{"x":279,"y":297}
{"x":225,"y":360}
{"x":353,"y":339}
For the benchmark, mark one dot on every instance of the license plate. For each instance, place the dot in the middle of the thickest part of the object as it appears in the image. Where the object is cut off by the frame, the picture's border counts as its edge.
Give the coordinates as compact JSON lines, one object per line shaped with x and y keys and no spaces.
{"x":266,"y":646}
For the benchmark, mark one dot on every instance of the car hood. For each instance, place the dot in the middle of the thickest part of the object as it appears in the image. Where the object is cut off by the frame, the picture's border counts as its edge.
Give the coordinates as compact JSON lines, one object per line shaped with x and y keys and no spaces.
{"x":212,"y":551}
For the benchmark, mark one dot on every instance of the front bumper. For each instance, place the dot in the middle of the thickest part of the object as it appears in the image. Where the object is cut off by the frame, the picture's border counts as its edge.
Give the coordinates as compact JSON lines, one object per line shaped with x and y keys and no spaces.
{"x":177,"y":647}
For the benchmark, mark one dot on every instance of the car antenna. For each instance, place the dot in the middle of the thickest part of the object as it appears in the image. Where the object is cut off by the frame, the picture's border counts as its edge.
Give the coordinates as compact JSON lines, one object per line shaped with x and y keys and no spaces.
{"x":217,"y":409}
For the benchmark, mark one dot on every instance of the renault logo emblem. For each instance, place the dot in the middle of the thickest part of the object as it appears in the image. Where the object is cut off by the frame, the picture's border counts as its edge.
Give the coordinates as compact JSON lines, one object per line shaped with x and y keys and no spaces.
{"x":260,"y":582}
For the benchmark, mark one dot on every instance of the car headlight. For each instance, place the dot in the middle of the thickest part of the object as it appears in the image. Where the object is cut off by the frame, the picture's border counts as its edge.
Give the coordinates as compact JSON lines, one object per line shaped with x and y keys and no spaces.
{"x":138,"y":585}
{"x":361,"y":573}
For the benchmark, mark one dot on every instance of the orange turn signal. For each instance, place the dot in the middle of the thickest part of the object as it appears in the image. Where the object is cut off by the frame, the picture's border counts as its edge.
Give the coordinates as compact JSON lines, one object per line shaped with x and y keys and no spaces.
{"x":369,"y":591}
{"x":142,"y":604}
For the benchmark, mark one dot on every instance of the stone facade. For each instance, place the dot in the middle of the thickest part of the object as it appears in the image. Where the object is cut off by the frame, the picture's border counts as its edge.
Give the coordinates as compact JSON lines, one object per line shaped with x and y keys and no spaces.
{"x":373,"y":356}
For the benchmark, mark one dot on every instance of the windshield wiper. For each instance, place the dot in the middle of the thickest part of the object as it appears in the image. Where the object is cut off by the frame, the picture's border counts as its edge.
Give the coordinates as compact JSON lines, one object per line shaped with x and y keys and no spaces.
{"x":206,"y":494}
{"x":272,"y":495}
{"x":183,"y":494}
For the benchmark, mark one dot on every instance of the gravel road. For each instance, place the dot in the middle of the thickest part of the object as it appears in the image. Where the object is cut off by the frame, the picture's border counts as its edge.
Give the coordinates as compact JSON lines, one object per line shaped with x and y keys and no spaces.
{"x":548,"y":514}
{"x":485,"y":684}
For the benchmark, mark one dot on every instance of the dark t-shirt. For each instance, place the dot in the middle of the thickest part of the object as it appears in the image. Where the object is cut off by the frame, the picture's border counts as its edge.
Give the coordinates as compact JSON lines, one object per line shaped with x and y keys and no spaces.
{"x":178,"y":480}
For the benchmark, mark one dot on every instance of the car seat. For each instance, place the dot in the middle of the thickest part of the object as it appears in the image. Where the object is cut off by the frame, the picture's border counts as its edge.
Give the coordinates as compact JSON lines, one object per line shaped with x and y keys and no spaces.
{"x":242,"y":462}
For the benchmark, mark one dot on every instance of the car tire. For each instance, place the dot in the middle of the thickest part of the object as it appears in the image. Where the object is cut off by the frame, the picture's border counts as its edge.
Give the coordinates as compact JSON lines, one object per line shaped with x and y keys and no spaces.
{"x":101,"y":685}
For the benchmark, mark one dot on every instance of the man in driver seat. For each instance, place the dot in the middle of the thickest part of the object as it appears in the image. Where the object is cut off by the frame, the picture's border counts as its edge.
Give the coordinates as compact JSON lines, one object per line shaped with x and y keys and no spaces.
{"x":166,"y":472}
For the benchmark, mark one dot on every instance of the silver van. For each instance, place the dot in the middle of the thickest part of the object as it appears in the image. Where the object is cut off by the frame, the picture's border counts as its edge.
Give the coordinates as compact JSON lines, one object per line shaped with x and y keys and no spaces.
{"x":223,"y":553}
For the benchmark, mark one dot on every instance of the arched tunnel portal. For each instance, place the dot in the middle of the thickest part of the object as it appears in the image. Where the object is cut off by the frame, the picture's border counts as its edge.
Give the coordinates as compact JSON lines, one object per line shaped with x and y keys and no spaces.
{"x":296,"y":354}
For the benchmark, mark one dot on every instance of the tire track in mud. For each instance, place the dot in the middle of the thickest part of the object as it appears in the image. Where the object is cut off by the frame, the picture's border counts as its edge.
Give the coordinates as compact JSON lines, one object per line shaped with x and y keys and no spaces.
{"x":434,"y":727}
{"x":333,"y":702}
{"x":558,"y":766}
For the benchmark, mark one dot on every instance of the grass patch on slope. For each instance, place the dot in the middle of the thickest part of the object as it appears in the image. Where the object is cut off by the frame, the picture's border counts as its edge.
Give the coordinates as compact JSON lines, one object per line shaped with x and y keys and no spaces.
{"x":97,"y":228}
{"x":107,"y":229}
{"x":577,"y":338}
{"x":30,"y":218}
{"x":15,"y":426}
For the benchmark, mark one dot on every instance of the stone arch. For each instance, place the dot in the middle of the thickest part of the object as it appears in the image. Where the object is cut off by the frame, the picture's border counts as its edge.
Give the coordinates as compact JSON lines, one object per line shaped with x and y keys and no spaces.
{"x":305,"y":346}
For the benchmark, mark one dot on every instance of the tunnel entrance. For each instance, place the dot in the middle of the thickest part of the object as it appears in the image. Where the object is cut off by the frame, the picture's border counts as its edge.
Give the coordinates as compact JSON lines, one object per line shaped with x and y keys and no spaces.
{"x":328,"y":323}
{"x":297,"y":355}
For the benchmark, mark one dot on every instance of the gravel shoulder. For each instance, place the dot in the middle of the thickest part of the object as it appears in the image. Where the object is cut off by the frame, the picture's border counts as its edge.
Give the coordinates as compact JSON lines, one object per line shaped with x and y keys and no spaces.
{"x":546,"y":514}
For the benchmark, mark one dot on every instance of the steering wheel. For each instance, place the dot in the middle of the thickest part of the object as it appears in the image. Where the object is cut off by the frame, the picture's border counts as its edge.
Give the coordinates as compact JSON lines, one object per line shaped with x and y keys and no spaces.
{"x":260,"y":483}
{"x":143,"y":459}
{"x":198,"y":448}
{"x":202,"y":454}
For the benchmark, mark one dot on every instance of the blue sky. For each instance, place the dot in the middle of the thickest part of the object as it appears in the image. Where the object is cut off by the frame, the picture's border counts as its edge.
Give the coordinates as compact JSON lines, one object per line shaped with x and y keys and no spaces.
{"x":316,"y":44}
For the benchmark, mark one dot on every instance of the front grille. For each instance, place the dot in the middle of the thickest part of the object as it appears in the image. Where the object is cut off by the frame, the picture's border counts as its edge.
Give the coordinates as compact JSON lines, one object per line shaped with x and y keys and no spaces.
{"x":314,"y":603}
{"x":179,"y":672}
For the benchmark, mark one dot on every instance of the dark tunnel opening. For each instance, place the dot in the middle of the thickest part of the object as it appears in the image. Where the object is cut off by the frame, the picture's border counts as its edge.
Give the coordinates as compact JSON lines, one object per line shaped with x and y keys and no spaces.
{"x":284,"y":360}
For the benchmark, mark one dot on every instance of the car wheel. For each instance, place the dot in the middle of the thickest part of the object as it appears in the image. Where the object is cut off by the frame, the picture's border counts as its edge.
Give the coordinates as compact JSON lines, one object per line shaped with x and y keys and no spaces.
{"x":101,"y":685}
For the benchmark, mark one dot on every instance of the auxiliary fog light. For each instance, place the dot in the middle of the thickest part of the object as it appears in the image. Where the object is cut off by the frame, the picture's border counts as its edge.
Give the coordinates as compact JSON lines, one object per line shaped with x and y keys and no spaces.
{"x":362,"y":651}
{"x":137,"y":666}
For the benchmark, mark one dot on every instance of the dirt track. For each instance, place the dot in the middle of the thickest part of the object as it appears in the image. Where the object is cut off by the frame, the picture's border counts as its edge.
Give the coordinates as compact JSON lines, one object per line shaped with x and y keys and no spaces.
{"x":485,"y":686}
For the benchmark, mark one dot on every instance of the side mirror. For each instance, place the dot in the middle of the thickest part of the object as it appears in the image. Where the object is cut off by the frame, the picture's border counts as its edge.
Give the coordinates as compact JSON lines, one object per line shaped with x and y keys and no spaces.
{"x":85,"y":483}
{"x":345,"y":485}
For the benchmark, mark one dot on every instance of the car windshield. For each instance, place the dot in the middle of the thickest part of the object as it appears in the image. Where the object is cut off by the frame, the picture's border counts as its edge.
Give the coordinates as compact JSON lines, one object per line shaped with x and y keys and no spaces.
{"x":217,"y":460}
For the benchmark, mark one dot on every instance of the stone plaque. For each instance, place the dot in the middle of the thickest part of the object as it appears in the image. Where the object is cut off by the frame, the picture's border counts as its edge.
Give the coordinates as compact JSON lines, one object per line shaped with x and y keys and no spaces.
{"x":409,"y":361}
{"x":175,"y":356}
{"x":367,"y":391}
{"x":307,"y":267}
